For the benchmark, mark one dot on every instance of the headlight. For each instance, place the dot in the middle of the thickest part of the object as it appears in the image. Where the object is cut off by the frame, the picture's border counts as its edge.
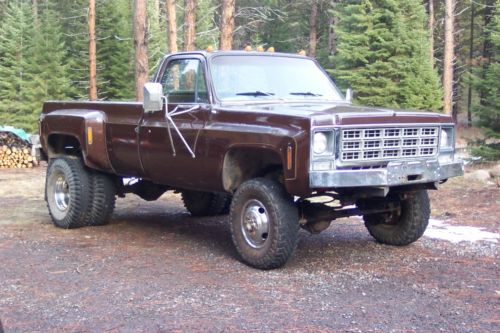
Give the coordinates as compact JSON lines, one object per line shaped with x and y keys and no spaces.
{"x":320,"y":143}
{"x":323,"y":143}
{"x":446,"y":138}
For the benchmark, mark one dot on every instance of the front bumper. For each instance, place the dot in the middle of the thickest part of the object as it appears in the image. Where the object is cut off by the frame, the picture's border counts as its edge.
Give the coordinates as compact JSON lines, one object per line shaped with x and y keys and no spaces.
{"x":395,"y":174}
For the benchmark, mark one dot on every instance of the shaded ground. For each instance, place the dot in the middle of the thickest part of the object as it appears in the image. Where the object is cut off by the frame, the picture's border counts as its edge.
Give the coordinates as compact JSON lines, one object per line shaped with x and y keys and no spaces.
{"x":156,"y":269}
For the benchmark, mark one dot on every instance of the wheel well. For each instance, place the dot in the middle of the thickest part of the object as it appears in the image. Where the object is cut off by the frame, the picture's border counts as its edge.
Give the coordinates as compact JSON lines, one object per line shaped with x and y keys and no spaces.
{"x":242,"y":164}
{"x":61,"y":144}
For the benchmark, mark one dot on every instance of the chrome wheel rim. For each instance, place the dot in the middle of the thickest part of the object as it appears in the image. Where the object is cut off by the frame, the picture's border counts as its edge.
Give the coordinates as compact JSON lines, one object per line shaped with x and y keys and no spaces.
{"x":255,"y":223}
{"x":61,"y":192}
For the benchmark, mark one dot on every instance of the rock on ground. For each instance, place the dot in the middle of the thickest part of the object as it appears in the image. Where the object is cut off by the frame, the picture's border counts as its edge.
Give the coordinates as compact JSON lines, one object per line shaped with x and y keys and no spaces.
{"x":479,"y":176}
{"x":495,"y":172}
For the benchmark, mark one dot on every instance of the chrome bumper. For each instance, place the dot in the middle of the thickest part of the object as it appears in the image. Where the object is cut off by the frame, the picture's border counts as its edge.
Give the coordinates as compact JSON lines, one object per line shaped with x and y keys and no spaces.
{"x":396,"y":173}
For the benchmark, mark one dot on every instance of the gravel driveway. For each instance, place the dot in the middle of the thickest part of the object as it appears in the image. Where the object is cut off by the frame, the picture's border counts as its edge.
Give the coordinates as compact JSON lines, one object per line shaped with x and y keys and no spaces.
{"x":156,"y":269}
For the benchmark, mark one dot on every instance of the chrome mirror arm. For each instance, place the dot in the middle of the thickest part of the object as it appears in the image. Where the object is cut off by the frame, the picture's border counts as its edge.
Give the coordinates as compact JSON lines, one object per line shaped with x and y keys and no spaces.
{"x":170,"y":121}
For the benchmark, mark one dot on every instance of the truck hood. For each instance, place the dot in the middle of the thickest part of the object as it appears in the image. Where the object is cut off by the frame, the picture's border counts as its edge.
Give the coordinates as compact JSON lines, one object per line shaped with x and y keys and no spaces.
{"x":331,"y":114}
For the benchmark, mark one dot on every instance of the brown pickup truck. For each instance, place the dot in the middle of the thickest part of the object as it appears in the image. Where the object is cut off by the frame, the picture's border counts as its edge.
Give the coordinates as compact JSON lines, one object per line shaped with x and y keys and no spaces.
{"x":265,"y":137}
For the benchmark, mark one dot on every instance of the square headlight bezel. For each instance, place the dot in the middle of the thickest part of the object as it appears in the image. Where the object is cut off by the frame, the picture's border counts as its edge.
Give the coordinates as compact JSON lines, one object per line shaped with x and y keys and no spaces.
{"x":330,"y":150}
{"x":450,"y":132}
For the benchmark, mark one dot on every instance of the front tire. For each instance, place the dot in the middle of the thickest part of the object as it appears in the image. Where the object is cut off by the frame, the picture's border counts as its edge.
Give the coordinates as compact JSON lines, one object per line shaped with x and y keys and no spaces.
{"x":264,"y":223}
{"x":404,"y":227}
{"x":68,"y":192}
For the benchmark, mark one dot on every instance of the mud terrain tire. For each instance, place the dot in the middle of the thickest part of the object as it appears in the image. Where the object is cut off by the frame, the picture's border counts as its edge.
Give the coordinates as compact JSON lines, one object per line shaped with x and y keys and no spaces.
{"x":264,"y":223}
{"x":206,"y":203}
{"x":103,"y":199}
{"x":406,"y":228}
{"x":68,"y":192}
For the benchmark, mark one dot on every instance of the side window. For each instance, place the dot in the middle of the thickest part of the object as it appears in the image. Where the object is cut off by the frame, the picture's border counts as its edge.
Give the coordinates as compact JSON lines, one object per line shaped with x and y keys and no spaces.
{"x":184,"y":82}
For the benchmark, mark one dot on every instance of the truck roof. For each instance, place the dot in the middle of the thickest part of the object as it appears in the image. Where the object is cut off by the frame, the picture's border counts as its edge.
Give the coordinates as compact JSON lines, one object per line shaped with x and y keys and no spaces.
{"x":209,"y":55}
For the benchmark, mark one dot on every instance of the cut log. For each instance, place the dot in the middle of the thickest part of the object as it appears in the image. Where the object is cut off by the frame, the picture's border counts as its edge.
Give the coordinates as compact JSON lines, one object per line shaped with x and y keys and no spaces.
{"x":15,"y":152}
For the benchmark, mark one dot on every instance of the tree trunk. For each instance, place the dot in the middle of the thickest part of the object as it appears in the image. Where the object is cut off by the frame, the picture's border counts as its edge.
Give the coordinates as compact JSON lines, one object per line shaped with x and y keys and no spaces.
{"x":171,"y":26}
{"x":332,"y":34}
{"x":189,"y":24}
{"x":457,"y":91}
{"x":431,"y":31}
{"x":449,"y":55}
{"x":471,"y":56}
{"x":313,"y":28}
{"x":141,"y":47}
{"x":92,"y":53}
{"x":227,"y":25}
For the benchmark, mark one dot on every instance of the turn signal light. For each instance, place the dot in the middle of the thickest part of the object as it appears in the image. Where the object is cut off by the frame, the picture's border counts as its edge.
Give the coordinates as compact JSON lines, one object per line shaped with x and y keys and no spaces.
{"x":90,"y":136}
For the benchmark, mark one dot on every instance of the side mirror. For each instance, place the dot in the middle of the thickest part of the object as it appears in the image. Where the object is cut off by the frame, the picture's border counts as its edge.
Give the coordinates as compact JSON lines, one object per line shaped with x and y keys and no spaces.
{"x":153,"y":93}
{"x":348,"y":95}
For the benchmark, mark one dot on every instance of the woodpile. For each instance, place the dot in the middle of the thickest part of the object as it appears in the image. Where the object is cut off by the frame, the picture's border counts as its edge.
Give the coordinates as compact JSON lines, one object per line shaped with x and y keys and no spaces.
{"x":15,"y":152}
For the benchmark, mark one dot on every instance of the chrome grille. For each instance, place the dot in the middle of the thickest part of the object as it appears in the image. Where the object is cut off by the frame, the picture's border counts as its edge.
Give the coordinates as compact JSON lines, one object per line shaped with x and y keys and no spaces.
{"x":369,"y":144}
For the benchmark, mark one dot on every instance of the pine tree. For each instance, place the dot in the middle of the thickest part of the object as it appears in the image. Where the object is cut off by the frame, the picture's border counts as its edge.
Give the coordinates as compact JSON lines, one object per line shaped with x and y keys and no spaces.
{"x":488,"y":85}
{"x":382,"y":53}
{"x":206,"y":32}
{"x":16,"y":31}
{"x":115,"y":50}
{"x":74,"y":16}
{"x":48,"y":77}
{"x":157,"y":40}
{"x":281,"y":24}
{"x":3,"y":6}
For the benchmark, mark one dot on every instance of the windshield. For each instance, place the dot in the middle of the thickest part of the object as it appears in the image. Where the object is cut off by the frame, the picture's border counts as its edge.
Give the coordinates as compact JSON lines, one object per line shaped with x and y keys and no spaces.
{"x":259,"y":77}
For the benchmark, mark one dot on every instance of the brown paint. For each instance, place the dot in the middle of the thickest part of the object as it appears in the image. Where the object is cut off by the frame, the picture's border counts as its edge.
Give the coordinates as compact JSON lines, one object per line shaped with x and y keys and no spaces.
{"x":130,"y":143}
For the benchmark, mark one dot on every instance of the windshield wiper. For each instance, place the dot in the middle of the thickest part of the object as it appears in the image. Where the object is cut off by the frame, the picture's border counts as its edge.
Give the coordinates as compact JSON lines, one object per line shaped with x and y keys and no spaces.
{"x":305,"y":94}
{"x":255,"y":93}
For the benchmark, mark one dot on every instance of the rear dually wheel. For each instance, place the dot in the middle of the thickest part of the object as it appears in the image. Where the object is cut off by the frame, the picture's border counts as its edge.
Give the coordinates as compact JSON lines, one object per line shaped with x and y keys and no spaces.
{"x":200,"y":203}
{"x":68,"y":192}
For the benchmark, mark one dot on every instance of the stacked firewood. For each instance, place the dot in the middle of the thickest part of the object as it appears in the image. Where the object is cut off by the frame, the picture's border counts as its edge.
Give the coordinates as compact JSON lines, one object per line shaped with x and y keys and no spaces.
{"x":15,"y":152}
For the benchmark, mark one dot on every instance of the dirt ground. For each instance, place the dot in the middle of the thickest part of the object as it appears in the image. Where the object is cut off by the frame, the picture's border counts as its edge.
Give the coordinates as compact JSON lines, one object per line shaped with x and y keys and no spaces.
{"x":156,"y":269}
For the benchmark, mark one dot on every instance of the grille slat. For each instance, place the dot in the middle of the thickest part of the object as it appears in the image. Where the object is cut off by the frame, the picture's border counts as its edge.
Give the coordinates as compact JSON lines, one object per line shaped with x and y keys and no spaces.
{"x":350,"y":145}
{"x":372,"y":144}
{"x":385,"y":144}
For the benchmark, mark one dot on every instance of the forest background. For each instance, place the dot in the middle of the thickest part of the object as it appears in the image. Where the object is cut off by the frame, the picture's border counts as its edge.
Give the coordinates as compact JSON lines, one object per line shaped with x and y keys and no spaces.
{"x":428,"y":55}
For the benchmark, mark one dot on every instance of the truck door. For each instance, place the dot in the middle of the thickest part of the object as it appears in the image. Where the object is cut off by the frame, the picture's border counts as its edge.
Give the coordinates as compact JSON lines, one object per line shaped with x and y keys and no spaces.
{"x":169,"y":147}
